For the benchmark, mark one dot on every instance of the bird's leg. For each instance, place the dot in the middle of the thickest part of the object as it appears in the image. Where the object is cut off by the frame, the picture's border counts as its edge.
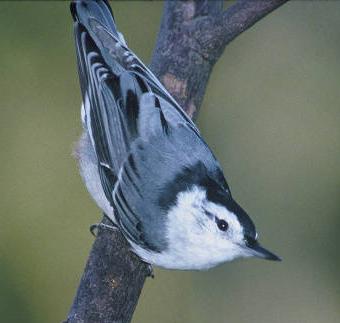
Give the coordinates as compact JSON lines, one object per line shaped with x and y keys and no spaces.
{"x":96,"y":226}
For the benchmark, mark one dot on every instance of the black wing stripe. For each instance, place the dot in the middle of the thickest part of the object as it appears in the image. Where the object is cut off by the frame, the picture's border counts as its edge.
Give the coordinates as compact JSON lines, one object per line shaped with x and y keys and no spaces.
{"x":129,"y":181}
{"x":130,"y":228}
{"x":133,"y":217}
{"x":108,"y":180}
{"x":132,"y":165}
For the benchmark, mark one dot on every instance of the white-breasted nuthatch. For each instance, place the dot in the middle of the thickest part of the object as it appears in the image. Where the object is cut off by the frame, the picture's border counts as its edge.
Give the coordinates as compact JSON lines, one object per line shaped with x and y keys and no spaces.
{"x":144,"y":161}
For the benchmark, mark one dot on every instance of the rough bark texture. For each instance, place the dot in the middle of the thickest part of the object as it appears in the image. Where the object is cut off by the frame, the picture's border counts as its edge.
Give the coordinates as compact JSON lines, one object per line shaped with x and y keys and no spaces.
{"x":112,"y":281}
{"x":193,"y":35}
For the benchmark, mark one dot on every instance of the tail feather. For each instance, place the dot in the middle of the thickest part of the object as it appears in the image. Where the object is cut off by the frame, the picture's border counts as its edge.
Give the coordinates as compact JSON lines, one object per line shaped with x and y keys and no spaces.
{"x":85,"y":10}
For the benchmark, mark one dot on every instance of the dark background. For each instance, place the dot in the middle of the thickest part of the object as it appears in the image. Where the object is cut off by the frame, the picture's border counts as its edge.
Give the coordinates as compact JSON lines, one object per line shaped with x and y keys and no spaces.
{"x":271,"y":115}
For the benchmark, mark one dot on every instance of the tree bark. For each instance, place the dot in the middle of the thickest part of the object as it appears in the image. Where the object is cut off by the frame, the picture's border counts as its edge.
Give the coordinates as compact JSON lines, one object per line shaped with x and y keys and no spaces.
{"x":192,"y":36}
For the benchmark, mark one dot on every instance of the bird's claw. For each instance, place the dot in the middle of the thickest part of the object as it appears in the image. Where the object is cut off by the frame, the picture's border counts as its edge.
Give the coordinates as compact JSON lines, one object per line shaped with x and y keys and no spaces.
{"x":96,"y":226}
{"x":151,"y":273}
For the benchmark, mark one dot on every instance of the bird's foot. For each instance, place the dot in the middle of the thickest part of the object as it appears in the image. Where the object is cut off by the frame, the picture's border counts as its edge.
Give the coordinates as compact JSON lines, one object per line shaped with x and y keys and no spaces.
{"x":95,"y":227}
{"x":151,"y":273}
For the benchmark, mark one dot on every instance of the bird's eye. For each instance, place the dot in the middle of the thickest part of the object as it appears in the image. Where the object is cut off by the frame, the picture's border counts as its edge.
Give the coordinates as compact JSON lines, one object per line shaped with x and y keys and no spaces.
{"x":222,"y":224}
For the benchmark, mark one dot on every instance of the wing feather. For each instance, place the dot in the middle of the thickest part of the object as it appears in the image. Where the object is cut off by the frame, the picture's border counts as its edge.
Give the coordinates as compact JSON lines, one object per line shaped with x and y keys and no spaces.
{"x":142,"y":138}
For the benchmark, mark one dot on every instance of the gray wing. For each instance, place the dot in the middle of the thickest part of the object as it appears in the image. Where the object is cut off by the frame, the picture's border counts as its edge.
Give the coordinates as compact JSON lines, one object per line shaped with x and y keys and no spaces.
{"x":142,"y":138}
{"x":169,"y":160}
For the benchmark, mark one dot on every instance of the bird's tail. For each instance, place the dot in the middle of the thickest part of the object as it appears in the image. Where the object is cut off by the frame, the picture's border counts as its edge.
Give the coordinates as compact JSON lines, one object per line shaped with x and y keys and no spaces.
{"x":88,"y":11}
{"x":96,"y":17}
{"x":97,"y":38}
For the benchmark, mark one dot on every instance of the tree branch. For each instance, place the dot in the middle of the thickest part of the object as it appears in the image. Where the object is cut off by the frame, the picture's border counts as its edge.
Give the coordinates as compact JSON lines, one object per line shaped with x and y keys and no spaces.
{"x":220,"y":30}
{"x":192,"y":36}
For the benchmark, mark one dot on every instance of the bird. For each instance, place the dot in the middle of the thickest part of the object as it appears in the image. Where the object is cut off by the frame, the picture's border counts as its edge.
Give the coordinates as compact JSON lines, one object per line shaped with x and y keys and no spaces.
{"x":144,"y":161}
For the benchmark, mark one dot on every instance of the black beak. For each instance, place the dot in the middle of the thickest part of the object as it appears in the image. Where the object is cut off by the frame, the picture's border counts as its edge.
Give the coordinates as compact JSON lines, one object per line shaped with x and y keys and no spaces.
{"x":259,"y":251}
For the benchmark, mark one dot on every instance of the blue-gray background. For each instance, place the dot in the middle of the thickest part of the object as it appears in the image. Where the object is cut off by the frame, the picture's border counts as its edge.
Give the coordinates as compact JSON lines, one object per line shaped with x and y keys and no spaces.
{"x":271,"y":114}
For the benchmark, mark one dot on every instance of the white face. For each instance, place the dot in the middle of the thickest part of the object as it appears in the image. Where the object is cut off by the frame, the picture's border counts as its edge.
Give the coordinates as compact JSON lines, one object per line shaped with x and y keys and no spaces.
{"x":195,"y":240}
{"x":194,"y":234}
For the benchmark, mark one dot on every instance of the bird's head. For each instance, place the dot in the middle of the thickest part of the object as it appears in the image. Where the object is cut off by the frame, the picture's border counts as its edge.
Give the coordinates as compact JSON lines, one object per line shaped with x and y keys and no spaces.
{"x":207,"y":227}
